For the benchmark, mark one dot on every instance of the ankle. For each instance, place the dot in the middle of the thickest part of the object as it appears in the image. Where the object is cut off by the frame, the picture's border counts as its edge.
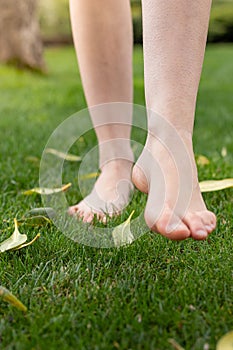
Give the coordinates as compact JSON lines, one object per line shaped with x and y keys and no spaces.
{"x":171,"y":136}
{"x":168,"y":120}
{"x":117,"y":165}
{"x":115,"y":152}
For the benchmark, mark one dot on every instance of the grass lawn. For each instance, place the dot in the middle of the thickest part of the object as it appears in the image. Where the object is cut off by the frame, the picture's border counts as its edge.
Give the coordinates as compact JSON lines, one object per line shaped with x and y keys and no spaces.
{"x":135,"y":297}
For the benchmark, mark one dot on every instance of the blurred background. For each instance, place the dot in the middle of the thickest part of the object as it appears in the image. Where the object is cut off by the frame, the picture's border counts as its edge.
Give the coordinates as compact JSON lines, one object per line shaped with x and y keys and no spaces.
{"x":28,"y":25}
{"x":55,"y":24}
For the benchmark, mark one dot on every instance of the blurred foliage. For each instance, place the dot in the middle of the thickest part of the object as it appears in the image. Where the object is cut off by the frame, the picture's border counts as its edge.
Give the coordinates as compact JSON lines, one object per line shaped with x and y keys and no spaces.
{"x":221,"y":22}
{"x":55,"y":21}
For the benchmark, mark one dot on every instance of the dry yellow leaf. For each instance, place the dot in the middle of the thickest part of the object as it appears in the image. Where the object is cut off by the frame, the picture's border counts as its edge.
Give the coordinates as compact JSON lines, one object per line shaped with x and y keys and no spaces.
{"x":202,"y":160}
{"x":62,"y":155}
{"x":47,"y":191}
{"x":215,"y":185}
{"x":226,"y":342}
{"x":224,"y":152}
{"x":6,"y":295}
{"x":15,"y":240}
{"x":27,"y":244}
{"x":122,"y":234}
{"x":175,"y":344}
{"x":38,"y":220}
{"x":32,"y":159}
{"x":89,"y":176}
{"x":47,"y":212}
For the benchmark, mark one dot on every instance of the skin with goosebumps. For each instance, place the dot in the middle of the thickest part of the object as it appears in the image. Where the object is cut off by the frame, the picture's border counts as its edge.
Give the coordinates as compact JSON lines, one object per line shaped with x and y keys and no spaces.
{"x":174,"y":36}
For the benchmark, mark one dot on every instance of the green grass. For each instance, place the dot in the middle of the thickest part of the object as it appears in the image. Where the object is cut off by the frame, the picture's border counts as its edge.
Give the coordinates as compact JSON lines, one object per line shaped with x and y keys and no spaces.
{"x":135,"y":297}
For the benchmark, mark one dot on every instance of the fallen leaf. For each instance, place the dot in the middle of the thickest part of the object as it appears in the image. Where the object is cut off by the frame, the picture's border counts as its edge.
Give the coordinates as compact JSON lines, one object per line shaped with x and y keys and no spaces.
{"x":89,"y":176}
{"x":32,"y":159}
{"x":175,"y":344}
{"x":6,"y":295}
{"x":47,"y":212}
{"x":116,"y":345}
{"x":47,"y":191}
{"x":81,"y":139}
{"x":202,"y":160}
{"x":226,"y":342}
{"x":38,"y":220}
{"x":62,"y":155}
{"x":192,"y":308}
{"x":224,"y":152}
{"x":122,"y":234}
{"x":15,"y":240}
{"x":215,"y":185}
{"x":27,"y":244}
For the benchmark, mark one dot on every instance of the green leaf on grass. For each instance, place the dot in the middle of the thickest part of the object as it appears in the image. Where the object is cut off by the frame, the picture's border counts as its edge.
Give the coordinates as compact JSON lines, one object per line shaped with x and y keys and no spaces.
{"x":6,"y":295}
{"x":15,"y":240}
{"x":122,"y":234}
{"x":62,"y":155}
{"x":47,"y":191}
{"x":226,"y":342}
{"x":215,"y":185}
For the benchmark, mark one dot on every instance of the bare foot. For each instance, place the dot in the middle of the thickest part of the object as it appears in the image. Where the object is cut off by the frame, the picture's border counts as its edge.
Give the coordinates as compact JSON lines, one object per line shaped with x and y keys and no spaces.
{"x":162,"y":213}
{"x":111,"y":193}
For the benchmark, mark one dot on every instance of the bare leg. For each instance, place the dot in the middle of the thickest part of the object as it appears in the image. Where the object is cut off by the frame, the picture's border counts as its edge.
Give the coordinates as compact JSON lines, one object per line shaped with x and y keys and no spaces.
{"x":102,"y":32}
{"x":174,"y":44}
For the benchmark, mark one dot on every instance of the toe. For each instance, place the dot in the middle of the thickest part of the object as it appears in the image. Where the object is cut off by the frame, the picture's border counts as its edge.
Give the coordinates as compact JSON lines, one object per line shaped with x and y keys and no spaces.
{"x":169,"y":225}
{"x":209,"y":220}
{"x":73,"y":210}
{"x":139,"y":179}
{"x":85,"y":213}
{"x":79,"y":215}
{"x":88,"y":218}
{"x":196,"y":226}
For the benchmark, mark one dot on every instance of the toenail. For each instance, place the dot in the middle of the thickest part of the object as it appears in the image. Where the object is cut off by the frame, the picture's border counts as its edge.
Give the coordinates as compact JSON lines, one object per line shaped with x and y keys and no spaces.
{"x":171,"y":228}
{"x":201,"y":233}
{"x":209,"y":227}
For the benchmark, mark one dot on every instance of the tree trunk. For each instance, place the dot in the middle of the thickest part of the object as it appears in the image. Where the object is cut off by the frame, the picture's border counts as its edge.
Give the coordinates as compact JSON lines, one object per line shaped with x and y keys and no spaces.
{"x":20,"y":40}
